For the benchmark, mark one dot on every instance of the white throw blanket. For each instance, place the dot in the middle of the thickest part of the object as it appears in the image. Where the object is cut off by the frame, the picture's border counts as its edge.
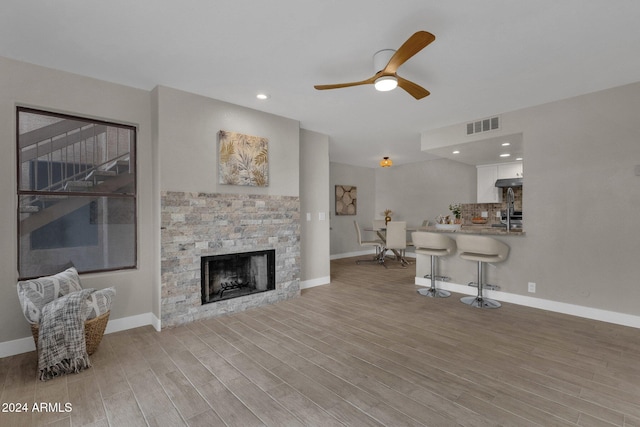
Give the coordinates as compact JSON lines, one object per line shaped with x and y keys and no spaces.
{"x":61,"y":343}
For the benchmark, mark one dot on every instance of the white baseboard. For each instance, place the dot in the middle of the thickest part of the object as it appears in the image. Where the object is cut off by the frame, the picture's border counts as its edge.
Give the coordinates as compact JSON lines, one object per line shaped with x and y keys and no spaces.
{"x":543,"y":304}
{"x":25,"y":345}
{"x":21,"y":345}
{"x":305,"y":284}
{"x":352,"y":254}
{"x":131,"y":322}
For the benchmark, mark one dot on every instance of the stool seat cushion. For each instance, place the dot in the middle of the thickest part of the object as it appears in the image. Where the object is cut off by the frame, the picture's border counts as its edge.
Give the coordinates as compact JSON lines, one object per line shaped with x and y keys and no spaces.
{"x":434,"y":252}
{"x":482,"y":248}
{"x":436,"y":244}
{"x":471,"y":256}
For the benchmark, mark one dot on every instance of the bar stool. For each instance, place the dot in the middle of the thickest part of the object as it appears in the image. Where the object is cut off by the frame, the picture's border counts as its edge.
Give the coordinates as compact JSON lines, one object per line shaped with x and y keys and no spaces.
{"x":435,"y":245}
{"x":481,"y":249}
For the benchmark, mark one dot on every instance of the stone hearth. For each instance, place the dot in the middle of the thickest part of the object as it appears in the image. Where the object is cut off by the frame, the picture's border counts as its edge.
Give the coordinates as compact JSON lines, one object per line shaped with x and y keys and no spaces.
{"x":204,"y":224}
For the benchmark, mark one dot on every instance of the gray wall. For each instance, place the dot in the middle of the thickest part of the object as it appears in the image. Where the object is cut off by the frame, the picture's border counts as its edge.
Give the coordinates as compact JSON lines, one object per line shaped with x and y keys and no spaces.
{"x":176,"y":151}
{"x":343,"y":233}
{"x":414,"y":192}
{"x":188,"y":144}
{"x":38,"y":87}
{"x":424,"y":190}
{"x":581,"y":200}
{"x":314,"y":199}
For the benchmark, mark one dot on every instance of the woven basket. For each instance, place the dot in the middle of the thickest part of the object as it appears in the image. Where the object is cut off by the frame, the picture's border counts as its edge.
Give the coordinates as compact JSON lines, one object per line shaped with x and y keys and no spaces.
{"x":93,"y":331}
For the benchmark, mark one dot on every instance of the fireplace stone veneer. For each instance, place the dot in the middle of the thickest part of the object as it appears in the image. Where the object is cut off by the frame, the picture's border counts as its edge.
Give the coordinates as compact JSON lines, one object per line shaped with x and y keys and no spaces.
{"x":194,"y":225}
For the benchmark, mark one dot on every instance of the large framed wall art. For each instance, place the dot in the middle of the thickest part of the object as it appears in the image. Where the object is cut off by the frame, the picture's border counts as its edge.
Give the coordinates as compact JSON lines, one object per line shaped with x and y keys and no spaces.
{"x":243,"y":159}
{"x":346,"y":200}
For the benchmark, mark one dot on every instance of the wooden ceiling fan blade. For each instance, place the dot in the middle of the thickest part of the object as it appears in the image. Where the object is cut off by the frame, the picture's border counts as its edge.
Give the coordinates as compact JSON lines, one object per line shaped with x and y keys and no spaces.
{"x":413,"y":45}
{"x":417,"y":91}
{"x":341,"y":85}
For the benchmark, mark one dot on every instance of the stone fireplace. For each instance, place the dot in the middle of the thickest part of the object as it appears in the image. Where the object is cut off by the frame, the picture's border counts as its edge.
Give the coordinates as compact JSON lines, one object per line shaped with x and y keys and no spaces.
{"x":200,"y":225}
{"x":236,"y":275}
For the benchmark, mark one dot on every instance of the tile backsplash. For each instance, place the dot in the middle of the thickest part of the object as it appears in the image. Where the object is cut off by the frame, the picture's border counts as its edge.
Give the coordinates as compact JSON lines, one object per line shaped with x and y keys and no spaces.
{"x":517,"y":192}
{"x":471,"y":210}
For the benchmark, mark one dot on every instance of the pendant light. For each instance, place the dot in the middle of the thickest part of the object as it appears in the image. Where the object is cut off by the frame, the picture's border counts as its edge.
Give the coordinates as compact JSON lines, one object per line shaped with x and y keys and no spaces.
{"x":386,"y":162}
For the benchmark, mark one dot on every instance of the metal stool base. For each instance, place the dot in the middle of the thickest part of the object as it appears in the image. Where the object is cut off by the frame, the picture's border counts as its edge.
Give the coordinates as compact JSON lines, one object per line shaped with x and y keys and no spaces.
{"x":484,"y":286}
{"x":479,"y":302}
{"x":434,"y":293}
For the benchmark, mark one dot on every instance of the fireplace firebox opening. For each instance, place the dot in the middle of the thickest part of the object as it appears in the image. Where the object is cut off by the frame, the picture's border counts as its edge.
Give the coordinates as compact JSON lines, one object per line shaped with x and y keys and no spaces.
{"x":234,"y":275}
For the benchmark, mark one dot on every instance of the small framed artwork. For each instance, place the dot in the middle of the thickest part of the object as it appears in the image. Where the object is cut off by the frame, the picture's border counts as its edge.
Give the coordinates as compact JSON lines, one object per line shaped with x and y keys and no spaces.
{"x":346,"y":200}
{"x":243,"y":159}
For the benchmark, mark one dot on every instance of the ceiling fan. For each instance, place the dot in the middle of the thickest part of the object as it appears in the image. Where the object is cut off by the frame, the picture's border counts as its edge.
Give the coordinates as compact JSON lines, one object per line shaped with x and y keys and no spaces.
{"x":386,"y":78}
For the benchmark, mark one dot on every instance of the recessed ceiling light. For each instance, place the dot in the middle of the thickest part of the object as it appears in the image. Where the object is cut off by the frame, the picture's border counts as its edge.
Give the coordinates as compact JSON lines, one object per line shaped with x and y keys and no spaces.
{"x":262,"y":96}
{"x":506,"y":144}
{"x":505,"y":155}
{"x":518,"y":158}
{"x":456,"y":152}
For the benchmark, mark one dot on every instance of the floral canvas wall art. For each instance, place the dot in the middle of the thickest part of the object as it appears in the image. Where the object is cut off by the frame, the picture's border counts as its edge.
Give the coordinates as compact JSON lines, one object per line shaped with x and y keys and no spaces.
{"x":243,"y":159}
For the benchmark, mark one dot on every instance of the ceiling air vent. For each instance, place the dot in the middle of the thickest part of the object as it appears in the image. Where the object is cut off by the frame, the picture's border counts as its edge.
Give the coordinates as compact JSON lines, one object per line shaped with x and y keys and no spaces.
{"x":484,"y":125}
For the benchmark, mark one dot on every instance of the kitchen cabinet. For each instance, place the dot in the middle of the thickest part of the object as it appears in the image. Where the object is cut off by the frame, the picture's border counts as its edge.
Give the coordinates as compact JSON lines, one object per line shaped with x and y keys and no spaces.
{"x":487,"y":176}
{"x":510,"y":170}
{"x":487,"y":191}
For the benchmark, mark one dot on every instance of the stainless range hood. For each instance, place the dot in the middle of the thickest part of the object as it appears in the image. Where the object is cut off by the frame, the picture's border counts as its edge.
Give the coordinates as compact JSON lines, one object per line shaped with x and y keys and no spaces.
{"x":509,"y":182}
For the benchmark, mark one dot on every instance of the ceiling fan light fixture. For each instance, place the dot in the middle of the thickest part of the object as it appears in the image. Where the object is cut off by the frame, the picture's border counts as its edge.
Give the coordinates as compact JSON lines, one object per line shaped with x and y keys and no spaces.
{"x":385,"y":64}
{"x":385,"y":162}
{"x":386,"y":83}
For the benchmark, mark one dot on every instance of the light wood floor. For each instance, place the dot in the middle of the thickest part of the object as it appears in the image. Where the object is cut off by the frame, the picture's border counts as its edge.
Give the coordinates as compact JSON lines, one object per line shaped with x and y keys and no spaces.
{"x":366,"y":350}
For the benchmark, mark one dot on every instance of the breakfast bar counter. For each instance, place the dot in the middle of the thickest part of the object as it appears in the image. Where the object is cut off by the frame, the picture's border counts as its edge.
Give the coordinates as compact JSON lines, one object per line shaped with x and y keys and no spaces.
{"x":477,"y":229}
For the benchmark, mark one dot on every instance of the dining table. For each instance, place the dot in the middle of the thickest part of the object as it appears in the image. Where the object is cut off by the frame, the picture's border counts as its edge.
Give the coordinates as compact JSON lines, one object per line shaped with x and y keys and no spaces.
{"x":382,"y":234}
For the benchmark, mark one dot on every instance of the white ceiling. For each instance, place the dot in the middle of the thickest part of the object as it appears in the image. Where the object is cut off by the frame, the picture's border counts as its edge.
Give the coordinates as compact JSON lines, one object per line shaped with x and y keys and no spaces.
{"x":489,"y":56}
{"x":489,"y":150}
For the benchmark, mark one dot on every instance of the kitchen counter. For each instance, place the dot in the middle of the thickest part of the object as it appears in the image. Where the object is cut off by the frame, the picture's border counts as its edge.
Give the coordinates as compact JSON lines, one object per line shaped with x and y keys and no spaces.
{"x":476,"y":229}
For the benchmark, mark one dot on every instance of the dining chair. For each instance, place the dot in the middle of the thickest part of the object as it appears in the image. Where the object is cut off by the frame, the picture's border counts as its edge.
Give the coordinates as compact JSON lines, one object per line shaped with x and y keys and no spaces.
{"x":397,"y":240}
{"x":377,"y":244}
